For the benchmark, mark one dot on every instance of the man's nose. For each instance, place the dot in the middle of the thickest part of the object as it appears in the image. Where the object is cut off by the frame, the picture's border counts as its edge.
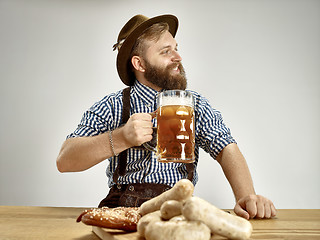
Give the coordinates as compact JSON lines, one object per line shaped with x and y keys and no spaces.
{"x":176,"y":56}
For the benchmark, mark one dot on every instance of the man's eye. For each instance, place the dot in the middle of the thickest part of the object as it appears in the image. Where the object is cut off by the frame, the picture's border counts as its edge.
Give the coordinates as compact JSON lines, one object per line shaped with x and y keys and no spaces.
{"x":168,"y":51}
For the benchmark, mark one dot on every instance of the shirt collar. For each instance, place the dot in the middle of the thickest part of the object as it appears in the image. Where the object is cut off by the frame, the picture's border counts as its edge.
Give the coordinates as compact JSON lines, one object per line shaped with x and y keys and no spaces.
{"x":147,"y":94}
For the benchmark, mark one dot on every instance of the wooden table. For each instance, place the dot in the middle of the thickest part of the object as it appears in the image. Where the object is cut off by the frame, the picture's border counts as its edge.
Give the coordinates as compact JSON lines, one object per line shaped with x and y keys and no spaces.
{"x":60,"y":223}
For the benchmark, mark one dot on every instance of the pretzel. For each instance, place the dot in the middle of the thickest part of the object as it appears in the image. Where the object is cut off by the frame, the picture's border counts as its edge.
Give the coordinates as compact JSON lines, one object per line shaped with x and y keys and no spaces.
{"x":123,"y":218}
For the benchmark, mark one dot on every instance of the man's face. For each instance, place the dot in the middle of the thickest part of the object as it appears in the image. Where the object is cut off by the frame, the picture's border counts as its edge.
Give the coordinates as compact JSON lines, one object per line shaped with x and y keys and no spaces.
{"x":163,"y":64}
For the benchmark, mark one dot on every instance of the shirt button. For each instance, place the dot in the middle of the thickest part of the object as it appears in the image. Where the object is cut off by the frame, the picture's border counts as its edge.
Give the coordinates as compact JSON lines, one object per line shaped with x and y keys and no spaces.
{"x":131,"y":188}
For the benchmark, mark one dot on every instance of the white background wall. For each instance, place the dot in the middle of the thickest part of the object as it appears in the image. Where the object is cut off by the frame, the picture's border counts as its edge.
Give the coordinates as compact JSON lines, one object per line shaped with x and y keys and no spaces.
{"x":257,"y":61}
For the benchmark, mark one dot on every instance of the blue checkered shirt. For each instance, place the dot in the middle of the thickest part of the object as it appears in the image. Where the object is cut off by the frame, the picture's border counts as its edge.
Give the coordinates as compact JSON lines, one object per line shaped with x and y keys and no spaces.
{"x":212,"y":135}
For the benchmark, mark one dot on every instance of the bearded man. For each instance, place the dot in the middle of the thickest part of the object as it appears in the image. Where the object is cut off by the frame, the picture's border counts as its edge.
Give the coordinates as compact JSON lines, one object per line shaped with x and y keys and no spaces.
{"x":116,"y":127}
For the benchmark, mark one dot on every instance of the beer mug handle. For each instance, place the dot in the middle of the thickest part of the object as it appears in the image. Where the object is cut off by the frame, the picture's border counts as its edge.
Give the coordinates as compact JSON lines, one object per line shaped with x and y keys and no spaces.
{"x":152,"y":145}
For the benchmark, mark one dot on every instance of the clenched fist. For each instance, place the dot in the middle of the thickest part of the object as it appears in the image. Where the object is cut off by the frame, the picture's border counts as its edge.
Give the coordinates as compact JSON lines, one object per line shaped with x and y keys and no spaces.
{"x":138,"y":129}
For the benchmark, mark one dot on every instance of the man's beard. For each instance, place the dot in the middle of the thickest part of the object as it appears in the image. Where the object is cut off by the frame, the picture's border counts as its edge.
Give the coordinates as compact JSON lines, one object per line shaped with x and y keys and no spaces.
{"x":162,"y":77}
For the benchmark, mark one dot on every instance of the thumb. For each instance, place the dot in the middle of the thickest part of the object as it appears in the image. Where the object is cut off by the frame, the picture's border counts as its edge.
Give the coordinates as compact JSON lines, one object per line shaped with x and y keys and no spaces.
{"x":241,"y":212}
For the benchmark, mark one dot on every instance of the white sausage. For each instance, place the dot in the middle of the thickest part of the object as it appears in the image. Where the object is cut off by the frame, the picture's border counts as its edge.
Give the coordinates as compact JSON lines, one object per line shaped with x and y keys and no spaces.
{"x":170,"y":209}
{"x":182,"y":190}
{"x":219,"y":221}
{"x":178,"y":218}
{"x":165,"y":230}
{"x":145,"y":220}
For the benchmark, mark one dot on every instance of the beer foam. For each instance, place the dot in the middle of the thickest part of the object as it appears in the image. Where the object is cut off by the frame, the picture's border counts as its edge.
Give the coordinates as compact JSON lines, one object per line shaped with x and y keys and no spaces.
{"x":176,"y":100}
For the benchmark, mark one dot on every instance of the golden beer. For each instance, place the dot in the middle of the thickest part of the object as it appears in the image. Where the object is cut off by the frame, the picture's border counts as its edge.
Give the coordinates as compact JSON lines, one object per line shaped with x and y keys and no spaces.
{"x":175,"y":133}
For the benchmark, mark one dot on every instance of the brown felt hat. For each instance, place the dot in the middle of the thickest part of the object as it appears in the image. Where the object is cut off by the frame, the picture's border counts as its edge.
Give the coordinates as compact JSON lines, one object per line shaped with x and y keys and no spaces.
{"x":127,"y":37}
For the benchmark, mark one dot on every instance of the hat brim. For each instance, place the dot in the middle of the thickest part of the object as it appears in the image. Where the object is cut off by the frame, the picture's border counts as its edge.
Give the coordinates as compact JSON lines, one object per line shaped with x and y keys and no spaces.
{"x":123,"y":58}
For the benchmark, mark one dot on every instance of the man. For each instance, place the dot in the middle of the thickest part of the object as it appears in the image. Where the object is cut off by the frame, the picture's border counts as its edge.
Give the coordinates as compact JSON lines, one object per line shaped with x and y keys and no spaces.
{"x":148,"y":61}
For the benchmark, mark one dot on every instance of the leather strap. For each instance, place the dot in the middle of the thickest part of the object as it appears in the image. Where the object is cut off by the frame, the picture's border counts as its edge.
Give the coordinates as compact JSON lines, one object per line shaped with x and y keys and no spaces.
{"x":190,"y":169}
{"x":121,"y":168}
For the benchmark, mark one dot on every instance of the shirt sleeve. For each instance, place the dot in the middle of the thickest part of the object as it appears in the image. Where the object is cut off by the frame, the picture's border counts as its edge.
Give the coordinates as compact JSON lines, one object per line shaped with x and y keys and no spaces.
{"x":212,"y":134}
{"x":97,"y":119}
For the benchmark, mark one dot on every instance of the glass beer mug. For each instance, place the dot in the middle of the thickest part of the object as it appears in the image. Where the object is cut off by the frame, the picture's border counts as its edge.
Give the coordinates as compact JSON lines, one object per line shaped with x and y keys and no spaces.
{"x":175,"y":131}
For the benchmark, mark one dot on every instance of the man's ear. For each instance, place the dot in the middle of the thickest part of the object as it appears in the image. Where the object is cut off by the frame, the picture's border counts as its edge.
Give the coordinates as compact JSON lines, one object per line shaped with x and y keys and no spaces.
{"x":137,"y":63}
